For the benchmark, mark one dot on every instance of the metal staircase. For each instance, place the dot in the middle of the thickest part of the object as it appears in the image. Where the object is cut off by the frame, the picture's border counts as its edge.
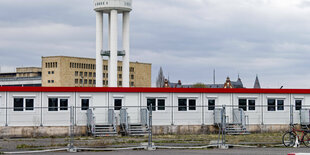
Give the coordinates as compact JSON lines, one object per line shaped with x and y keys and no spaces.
{"x":134,"y":129}
{"x":101,"y":130}
{"x":235,"y":129}
{"x":238,"y":126}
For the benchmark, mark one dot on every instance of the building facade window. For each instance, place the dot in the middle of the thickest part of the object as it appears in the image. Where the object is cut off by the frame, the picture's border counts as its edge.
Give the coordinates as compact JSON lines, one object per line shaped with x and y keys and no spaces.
{"x":84,"y":104}
{"x":275,"y":104}
{"x":118,"y":104}
{"x":280,"y":104}
{"x":76,"y":73}
{"x":76,"y":81}
{"x":157,"y":104}
{"x":132,"y":84}
{"x":18,"y":104}
{"x":251,"y":104}
{"x":58,"y":104}
{"x":120,"y":83}
{"x":243,"y":104}
{"x":29,"y":104}
{"x":53,"y":104}
{"x":182,"y":105}
{"x":186,"y":104}
{"x":191,"y":104}
{"x":132,"y":69}
{"x":151,"y":102}
{"x":105,"y":67}
{"x":132,"y":76}
{"x":119,"y":68}
{"x":246,"y":104}
{"x":51,"y":65}
{"x":90,"y":74}
{"x":63,"y":104}
{"x":211,"y":104}
{"x":298,"y":104}
{"x":161,"y":104}
{"x":120,"y":76}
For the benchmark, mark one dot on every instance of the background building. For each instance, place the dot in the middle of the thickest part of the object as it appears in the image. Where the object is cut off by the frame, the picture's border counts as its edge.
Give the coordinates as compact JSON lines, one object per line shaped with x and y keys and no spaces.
{"x":227,"y":84}
{"x":64,"y":71}
{"x":24,"y":76}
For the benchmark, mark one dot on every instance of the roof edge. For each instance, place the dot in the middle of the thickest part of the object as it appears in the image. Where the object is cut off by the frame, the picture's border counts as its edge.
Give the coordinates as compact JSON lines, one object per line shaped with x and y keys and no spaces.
{"x":155,"y":90}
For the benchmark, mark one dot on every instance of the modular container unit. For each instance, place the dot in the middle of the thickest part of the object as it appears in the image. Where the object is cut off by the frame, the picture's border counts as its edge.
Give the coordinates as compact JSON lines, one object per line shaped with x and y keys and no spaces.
{"x":42,"y":106}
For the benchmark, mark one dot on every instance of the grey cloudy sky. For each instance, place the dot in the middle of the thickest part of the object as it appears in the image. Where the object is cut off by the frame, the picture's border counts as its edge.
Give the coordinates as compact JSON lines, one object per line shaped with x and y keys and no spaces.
{"x":188,"y":38}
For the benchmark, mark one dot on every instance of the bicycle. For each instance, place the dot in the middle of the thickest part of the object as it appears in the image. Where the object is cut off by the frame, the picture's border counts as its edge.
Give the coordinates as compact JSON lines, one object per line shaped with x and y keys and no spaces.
{"x":291,"y":137}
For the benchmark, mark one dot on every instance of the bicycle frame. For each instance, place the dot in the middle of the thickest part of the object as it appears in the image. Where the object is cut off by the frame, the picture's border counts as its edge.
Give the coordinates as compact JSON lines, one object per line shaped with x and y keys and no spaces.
{"x":296,"y":131}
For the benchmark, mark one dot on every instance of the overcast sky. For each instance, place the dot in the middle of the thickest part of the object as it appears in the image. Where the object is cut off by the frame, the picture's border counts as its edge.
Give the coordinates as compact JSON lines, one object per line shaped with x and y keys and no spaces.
{"x":188,"y":38}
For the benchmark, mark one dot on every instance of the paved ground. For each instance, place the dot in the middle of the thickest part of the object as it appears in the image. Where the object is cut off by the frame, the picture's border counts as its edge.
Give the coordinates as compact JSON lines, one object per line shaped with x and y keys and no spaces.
{"x":234,"y":151}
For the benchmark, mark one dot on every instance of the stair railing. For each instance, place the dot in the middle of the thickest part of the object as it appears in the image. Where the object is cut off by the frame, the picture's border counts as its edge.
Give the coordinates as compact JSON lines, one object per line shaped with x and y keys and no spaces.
{"x":124,"y":119}
{"x":112,"y":118}
{"x":90,"y":121}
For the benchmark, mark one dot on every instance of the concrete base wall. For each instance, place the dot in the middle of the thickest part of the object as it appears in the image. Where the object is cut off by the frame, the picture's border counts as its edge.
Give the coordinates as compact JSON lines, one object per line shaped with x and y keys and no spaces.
{"x":40,"y":131}
{"x":207,"y":129}
{"x":157,"y":130}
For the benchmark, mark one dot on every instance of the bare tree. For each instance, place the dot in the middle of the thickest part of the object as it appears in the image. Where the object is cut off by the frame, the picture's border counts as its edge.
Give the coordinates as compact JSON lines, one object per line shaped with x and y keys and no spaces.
{"x":160,"y":81}
{"x":199,"y":85}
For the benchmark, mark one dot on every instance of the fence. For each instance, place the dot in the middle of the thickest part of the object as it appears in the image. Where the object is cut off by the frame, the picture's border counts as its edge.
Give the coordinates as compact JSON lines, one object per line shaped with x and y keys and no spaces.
{"x":188,"y":126}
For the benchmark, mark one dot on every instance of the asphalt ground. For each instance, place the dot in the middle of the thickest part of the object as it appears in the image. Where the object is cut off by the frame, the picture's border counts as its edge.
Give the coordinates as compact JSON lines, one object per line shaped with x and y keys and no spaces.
{"x":233,"y":151}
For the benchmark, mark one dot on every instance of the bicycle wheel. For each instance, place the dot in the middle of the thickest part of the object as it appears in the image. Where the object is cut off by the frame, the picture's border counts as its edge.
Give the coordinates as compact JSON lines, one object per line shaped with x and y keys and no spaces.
{"x":306,"y":140}
{"x":289,"y":139}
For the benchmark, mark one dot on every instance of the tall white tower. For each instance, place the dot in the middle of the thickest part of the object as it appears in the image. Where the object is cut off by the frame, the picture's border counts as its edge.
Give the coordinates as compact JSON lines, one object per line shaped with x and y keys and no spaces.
{"x":112,"y":8}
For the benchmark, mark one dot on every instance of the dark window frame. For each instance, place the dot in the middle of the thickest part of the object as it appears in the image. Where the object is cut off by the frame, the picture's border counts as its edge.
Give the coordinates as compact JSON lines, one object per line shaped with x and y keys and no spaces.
{"x":158,"y":104}
{"x":149,"y":101}
{"x":63,"y":106}
{"x":192,"y":105}
{"x":18,"y":104}
{"x":251,"y":105}
{"x":280,"y":106}
{"x":29,"y":104}
{"x":85,"y":103}
{"x":211,"y":104}
{"x":271,"y":104}
{"x":182,"y":106}
{"x":161,"y":106}
{"x":242,"y":104}
{"x":298,"y":105}
{"x":118,"y":106}
{"x":53,"y":106}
